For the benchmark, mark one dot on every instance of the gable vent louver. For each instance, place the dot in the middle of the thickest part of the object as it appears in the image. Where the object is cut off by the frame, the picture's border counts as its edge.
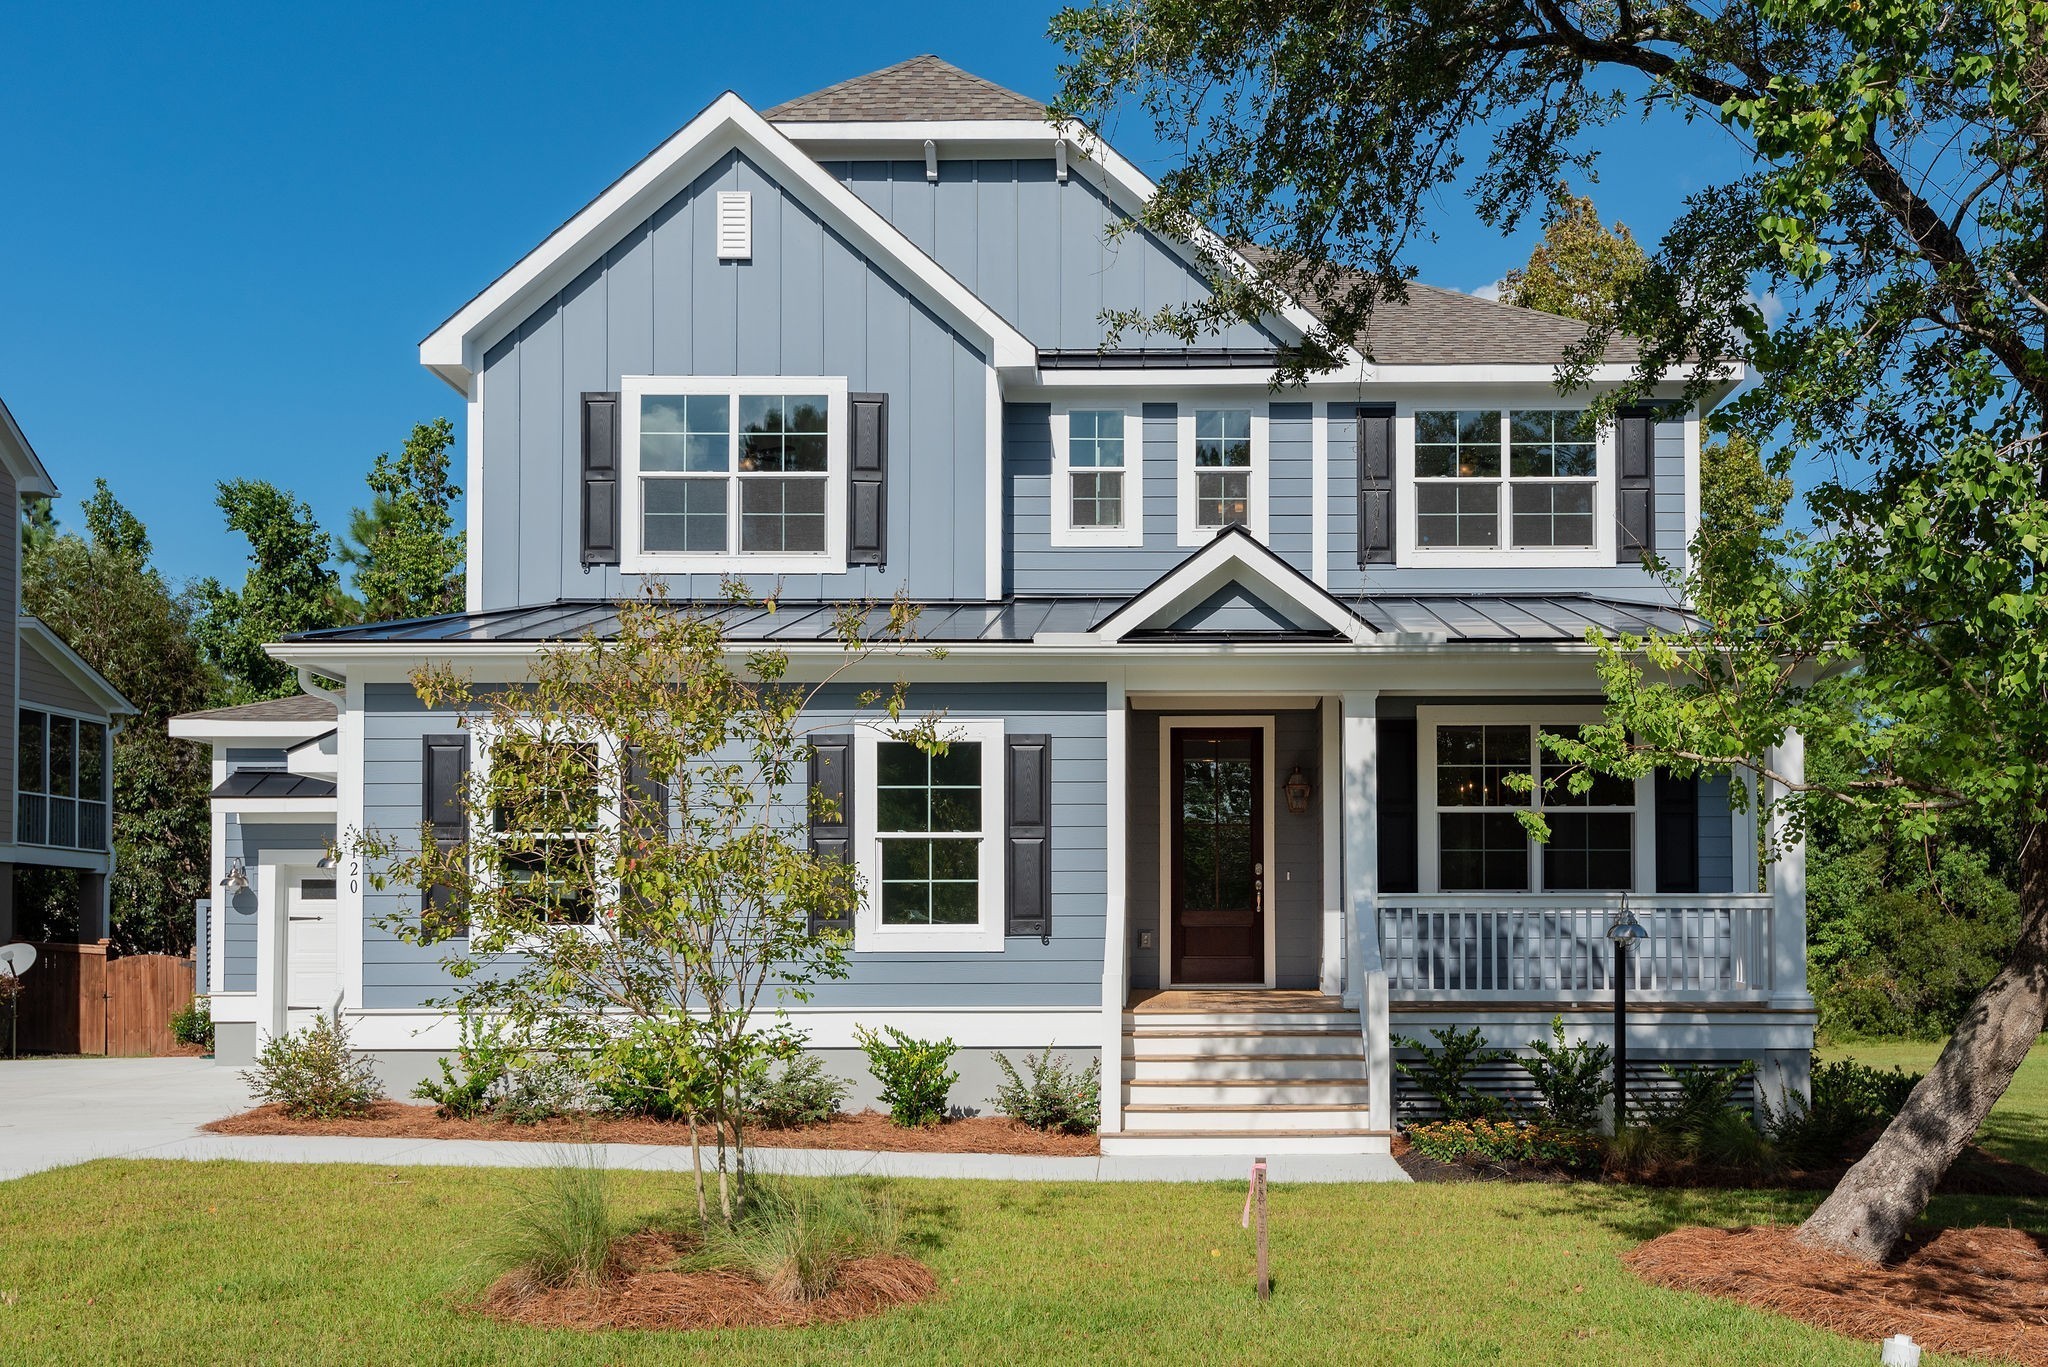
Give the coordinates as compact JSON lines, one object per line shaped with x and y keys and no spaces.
{"x":735,"y":225}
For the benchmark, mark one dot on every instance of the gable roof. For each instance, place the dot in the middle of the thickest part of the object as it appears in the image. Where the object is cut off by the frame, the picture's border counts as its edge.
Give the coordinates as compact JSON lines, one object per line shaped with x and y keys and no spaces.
{"x":454,"y":350}
{"x":297,"y":707}
{"x":1183,"y":598}
{"x":21,"y":459}
{"x":57,"y":652}
{"x":921,"y":89}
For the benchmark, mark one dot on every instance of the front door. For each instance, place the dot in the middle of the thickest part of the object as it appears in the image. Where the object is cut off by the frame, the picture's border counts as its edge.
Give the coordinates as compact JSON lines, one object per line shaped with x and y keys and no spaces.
{"x":313,"y":937}
{"x":1216,"y":820}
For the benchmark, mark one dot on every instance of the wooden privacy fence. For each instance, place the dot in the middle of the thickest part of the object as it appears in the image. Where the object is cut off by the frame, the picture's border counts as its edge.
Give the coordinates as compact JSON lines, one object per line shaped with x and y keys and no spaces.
{"x":80,"y":999}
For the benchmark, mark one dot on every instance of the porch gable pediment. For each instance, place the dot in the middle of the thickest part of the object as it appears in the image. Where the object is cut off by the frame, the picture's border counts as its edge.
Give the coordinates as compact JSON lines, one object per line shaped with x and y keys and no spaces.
{"x":1234,"y":588}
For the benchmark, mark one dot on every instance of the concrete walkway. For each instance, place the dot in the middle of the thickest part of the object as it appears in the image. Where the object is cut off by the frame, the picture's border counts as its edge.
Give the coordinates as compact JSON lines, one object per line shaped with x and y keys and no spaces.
{"x":55,"y":1112}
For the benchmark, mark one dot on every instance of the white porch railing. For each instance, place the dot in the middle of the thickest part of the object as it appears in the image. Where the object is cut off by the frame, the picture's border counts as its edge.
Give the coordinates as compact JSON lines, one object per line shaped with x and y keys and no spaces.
{"x":1708,"y":945}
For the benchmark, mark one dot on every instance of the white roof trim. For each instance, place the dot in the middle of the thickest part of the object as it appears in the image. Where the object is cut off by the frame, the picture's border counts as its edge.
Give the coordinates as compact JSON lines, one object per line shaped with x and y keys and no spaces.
{"x":454,"y":350}
{"x":73,"y":667}
{"x":222,"y":731}
{"x":30,"y":476}
{"x":1234,"y":557}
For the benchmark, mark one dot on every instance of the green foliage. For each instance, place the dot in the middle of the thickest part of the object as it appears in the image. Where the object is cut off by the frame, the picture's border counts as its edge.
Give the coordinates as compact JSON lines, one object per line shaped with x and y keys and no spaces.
{"x":1848,"y":1099}
{"x":913,"y":1073}
{"x":1694,"y":1122}
{"x":312,"y":1074}
{"x":541,"y":1088}
{"x":562,"y":1231}
{"x":1575,"y":1080}
{"x":289,"y":588}
{"x":653,"y":1069}
{"x":1443,"y":1073}
{"x":796,"y":1237}
{"x":473,"y":1083}
{"x":192,"y":1023}
{"x":404,"y":549}
{"x":1504,"y":1141}
{"x":1055,"y":1097}
{"x":800,"y":1093}
{"x":101,"y":594}
{"x":1581,"y":269}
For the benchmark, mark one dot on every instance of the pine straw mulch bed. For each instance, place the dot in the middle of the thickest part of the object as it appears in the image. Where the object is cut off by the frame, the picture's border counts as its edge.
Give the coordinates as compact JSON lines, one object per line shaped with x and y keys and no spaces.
{"x":1977,"y":1292}
{"x":865,"y":1130}
{"x":646,"y":1292}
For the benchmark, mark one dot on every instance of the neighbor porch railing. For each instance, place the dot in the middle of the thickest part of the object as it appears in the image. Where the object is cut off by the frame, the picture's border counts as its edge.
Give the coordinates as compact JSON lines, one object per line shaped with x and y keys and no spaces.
{"x":1707,"y":945}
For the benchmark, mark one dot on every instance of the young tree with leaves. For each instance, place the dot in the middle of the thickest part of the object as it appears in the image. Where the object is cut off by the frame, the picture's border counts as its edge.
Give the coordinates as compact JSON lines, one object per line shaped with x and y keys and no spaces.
{"x":1895,"y":199}
{"x":404,"y":550}
{"x":638,"y":877}
{"x":289,"y":588}
{"x":1581,"y":269}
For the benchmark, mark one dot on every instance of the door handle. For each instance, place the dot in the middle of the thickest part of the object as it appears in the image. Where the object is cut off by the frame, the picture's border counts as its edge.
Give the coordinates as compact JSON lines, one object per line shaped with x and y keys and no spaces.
{"x":1258,"y":889}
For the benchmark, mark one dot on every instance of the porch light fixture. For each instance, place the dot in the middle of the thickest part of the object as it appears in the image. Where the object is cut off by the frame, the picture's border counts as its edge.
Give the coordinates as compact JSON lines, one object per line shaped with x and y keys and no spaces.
{"x":1298,"y":792}
{"x":238,"y":876}
{"x":326,"y":861}
{"x":1626,"y":932}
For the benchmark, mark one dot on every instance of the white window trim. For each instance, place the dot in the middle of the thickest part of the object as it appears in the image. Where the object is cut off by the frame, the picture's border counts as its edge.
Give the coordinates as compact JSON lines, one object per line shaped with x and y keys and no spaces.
{"x":1408,"y":552}
{"x":870,"y":936}
{"x":1428,"y":719}
{"x":483,"y":843}
{"x":1184,"y":465}
{"x":1062,"y":530}
{"x":635,"y":559}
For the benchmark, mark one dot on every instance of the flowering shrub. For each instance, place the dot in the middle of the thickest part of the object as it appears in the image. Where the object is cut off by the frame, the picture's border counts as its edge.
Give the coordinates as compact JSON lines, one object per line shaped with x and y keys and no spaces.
{"x":1503,"y":1141}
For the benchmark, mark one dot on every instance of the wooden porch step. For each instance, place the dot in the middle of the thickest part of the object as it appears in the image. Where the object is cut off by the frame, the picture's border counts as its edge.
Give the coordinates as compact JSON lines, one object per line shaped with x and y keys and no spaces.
{"x":1359,"y":1081}
{"x":1159,"y":1108}
{"x":1246,"y":1134}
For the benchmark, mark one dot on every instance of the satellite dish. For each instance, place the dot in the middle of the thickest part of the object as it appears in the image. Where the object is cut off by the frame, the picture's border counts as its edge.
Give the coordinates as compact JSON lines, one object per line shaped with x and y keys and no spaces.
{"x":17,"y":959}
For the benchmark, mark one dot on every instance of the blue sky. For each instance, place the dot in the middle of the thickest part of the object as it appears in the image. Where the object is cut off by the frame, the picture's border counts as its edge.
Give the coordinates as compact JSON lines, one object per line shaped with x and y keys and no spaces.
{"x":225,"y":230}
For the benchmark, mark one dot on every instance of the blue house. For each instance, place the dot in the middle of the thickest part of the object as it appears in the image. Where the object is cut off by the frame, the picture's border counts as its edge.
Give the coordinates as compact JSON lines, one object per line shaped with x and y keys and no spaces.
{"x":1238,"y":671}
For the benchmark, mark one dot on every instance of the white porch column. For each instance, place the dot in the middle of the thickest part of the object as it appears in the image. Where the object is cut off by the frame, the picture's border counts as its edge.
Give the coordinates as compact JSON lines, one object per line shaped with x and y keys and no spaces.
{"x":272,"y":966}
{"x":1331,"y":782}
{"x":1116,"y":983}
{"x":1786,"y":881}
{"x":1367,"y":980}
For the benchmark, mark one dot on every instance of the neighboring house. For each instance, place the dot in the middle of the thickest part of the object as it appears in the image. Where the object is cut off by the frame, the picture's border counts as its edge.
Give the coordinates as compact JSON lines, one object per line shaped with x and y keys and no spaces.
{"x":1237,"y":672}
{"x":58,"y":719}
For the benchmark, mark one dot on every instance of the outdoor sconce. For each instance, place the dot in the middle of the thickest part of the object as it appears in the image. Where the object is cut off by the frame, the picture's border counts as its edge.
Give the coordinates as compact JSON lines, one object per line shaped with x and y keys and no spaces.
{"x":1298,"y":792}
{"x":238,"y":876}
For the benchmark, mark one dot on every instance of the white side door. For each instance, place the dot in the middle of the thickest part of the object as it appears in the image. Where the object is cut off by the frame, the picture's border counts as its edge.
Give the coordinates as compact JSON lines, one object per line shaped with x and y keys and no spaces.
{"x":313,"y":928}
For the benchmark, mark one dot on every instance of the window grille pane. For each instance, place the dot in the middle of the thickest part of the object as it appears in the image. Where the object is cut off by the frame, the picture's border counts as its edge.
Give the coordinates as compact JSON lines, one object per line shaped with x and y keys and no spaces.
{"x":1098,"y":499}
{"x":686,"y":432}
{"x":1458,"y":445}
{"x":929,"y":879}
{"x":783,"y":433}
{"x":785,"y":515}
{"x":1095,"y":440}
{"x":1223,"y":439}
{"x":1553,"y":514}
{"x":1482,"y":852}
{"x":1590,"y":852}
{"x":1473,"y":762}
{"x":1608,"y":790}
{"x":1457,"y":514}
{"x":1550,"y":443}
{"x":683,"y":514}
{"x":1222,"y":500}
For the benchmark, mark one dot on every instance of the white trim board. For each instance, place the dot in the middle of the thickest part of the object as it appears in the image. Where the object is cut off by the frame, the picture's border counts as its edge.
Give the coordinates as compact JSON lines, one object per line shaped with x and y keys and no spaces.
{"x":1266,"y":724}
{"x":1233,"y":555}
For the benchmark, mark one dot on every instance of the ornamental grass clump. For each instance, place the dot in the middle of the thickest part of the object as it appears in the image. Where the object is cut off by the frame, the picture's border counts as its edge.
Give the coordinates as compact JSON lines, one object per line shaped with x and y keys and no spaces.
{"x":561,"y":1231}
{"x":313,"y":1075}
{"x":796,"y":1237}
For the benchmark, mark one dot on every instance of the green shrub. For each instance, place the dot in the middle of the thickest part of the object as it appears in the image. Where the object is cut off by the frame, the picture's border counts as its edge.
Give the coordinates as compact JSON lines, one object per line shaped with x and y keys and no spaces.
{"x":1574,"y":1079}
{"x":560,"y":1231}
{"x":484,"y":1058}
{"x":913,"y":1073}
{"x":803,"y":1093}
{"x":1442,"y":1073}
{"x":796,"y":1237}
{"x":1503,"y":1141}
{"x":1848,"y":1098}
{"x":1697,"y":1122}
{"x":192,"y":1023}
{"x":652,"y":1070}
{"x":538,"y":1089}
{"x":312,"y":1074}
{"x":1056,"y":1097}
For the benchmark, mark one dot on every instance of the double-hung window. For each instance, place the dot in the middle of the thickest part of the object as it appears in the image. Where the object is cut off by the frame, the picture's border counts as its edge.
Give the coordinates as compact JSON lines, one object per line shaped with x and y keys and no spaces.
{"x":1474,"y":840}
{"x":928,"y":828}
{"x":1223,"y":470}
{"x":1097,"y":481}
{"x":1520,"y":479}
{"x":725,"y":474}
{"x":553,"y":824}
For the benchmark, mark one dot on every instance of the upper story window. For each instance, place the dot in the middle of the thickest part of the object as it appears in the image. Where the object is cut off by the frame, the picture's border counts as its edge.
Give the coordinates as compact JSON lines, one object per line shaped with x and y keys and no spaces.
{"x":1098,"y":478}
{"x":1517,"y":479}
{"x":61,"y":777}
{"x":1222,"y":470}
{"x":725,"y":474}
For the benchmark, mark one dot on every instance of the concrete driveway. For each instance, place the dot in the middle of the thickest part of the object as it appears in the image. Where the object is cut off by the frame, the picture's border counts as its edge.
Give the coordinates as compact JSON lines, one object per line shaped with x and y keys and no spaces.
{"x":55,"y":1112}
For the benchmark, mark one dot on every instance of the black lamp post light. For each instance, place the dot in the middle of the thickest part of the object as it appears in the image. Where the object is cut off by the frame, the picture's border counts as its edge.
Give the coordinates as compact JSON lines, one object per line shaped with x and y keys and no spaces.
{"x":1626,"y":932}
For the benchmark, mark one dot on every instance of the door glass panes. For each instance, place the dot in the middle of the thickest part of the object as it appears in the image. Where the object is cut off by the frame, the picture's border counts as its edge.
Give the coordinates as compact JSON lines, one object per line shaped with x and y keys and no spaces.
{"x":1217,"y":812}
{"x":928,"y":819}
{"x":1223,"y":460}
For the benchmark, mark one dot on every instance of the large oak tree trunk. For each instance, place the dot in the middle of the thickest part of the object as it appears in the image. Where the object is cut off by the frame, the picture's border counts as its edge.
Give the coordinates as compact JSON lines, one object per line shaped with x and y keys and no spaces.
{"x":1868,"y":1213}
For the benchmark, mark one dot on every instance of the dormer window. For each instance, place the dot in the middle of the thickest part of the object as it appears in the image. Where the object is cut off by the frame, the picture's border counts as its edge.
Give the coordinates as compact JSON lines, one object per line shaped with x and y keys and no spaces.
{"x":735,"y":475}
{"x":1097,"y":478}
{"x":1514,"y":480}
{"x":1222,"y":470}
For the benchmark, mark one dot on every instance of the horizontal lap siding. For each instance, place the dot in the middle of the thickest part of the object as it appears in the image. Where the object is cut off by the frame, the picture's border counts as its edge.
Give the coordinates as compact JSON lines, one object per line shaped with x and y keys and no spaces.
{"x":807,"y":303}
{"x":1067,"y":972}
{"x":1717,"y":836}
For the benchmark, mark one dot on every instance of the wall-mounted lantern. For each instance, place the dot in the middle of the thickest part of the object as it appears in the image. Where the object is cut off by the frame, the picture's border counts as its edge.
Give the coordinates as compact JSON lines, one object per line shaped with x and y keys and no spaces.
{"x":238,"y":876}
{"x":1298,"y":792}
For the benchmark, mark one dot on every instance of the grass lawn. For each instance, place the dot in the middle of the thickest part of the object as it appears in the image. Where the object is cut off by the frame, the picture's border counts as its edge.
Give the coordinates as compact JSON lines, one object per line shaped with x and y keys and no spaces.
{"x":238,"y":1263}
{"x":2018,"y":1125}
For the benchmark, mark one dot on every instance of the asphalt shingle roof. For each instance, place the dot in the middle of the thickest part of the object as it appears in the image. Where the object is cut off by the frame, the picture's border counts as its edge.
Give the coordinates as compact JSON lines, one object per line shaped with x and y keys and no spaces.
{"x":298,"y":707}
{"x":922,"y":88}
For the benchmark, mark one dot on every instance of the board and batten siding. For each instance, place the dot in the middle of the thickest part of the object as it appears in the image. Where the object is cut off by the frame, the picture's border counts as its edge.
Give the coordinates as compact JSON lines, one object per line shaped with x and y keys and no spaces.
{"x":256,"y":842}
{"x":1037,"y":251}
{"x":661,"y":303}
{"x":1027,"y":973}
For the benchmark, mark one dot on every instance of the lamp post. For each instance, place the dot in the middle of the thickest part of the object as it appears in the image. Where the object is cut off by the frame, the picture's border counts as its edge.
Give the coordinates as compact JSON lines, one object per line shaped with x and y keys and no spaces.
{"x":1626,"y":932}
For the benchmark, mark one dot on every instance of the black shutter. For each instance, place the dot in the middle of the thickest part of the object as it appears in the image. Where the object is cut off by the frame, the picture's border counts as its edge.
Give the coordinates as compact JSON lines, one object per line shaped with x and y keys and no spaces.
{"x":646,"y":798}
{"x":1633,"y":443}
{"x":444,"y":813}
{"x":831,"y":797}
{"x":1399,"y":829}
{"x":600,"y":479}
{"x":867,"y":494}
{"x":1376,"y":484}
{"x":1678,"y":833}
{"x":1027,"y":848}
